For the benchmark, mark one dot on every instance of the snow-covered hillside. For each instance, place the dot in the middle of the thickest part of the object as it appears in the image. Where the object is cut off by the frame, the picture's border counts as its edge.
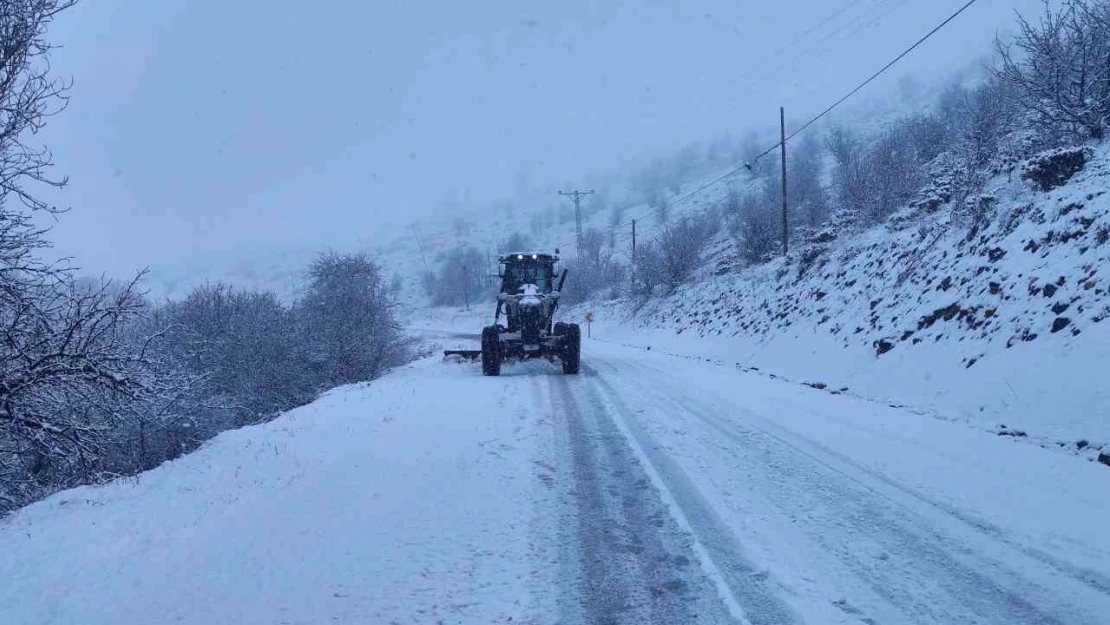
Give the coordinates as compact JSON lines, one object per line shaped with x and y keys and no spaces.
{"x":1002,"y":325}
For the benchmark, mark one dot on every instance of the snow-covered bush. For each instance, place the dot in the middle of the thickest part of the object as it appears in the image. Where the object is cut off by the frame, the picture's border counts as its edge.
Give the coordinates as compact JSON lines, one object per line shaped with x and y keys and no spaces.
{"x":1052,"y":168}
{"x":754,"y":220}
{"x":647,"y":269}
{"x":246,"y":349}
{"x":809,"y":199}
{"x":682,"y":242}
{"x":96,"y":383}
{"x":348,"y":314}
{"x":874,"y":178}
{"x":79,"y":378}
{"x":594,"y":270}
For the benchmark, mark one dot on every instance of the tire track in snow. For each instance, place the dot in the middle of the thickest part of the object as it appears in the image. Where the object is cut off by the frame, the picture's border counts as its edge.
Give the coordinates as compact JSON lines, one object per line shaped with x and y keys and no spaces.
{"x":547,"y":536}
{"x":949,"y":581}
{"x":634,"y":563}
{"x":1094,"y":579}
{"x":745,"y":586}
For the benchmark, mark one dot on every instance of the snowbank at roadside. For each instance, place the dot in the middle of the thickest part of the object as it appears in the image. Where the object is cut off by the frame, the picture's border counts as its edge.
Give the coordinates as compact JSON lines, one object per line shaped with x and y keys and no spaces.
{"x":378,"y":503}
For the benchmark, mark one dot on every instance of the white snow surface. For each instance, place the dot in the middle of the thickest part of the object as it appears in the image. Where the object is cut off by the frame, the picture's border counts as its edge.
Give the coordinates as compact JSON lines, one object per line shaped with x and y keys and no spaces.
{"x":652,"y":488}
{"x":402,"y":501}
{"x":1004,"y":328}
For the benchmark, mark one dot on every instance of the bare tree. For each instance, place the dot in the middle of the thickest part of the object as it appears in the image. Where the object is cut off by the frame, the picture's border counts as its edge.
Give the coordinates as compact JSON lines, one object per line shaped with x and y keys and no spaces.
{"x":29,"y":95}
{"x":593,"y":246}
{"x":460,"y":277}
{"x":756,"y":226}
{"x":930,"y":134}
{"x":594,"y":269}
{"x":980,"y":121}
{"x":893,"y":173}
{"x":73,"y":373}
{"x":94,"y":382}
{"x":808,"y":197}
{"x":909,"y":88}
{"x":850,"y":170}
{"x":462,"y":227}
{"x":647,"y":272}
{"x":873,"y":179}
{"x":681,"y":243}
{"x":1061,"y":68}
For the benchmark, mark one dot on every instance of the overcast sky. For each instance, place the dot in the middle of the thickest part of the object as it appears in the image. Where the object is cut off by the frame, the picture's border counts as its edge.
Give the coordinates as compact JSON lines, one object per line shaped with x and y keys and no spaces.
{"x":209,"y":128}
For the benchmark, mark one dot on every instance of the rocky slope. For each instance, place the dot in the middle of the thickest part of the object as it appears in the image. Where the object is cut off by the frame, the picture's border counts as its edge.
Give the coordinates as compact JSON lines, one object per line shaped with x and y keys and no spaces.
{"x":994,"y":313}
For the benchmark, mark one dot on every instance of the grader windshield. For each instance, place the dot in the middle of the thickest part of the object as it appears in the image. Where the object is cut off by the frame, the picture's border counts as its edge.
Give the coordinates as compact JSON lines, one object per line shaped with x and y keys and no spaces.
{"x":520,"y":271}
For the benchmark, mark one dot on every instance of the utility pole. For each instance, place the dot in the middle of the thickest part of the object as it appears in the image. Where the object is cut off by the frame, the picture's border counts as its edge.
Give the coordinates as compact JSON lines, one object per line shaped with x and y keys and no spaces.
{"x":782,"y":143}
{"x":466,"y":287}
{"x":577,"y":195}
{"x":633,"y":242}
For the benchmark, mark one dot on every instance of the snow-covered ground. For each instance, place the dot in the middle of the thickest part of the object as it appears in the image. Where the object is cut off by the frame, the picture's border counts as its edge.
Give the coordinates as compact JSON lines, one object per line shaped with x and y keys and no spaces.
{"x":688,"y":474}
{"x":1050,"y":394}
{"x":650,"y":488}
{"x":1003,"y":326}
{"x":406,"y":500}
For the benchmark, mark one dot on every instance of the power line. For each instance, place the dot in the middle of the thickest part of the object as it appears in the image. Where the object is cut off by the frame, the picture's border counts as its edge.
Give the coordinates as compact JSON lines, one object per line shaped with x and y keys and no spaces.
{"x":677,"y":200}
{"x":870,"y":79}
{"x":807,"y":32}
{"x":731,"y":172}
{"x":811,"y":53}
{"x":691,"y":194}
{"x":807,"y":52}
{"x":836,"y":13}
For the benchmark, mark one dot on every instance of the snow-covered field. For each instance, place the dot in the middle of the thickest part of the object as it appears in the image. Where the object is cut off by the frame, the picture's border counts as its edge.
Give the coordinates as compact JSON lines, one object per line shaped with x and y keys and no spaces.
{"x":647,"y":489}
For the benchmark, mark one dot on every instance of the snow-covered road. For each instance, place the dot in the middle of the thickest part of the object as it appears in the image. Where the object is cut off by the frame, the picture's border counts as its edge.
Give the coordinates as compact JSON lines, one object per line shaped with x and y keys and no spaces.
{"x":648,"y":489}
{"x":820,"y":508}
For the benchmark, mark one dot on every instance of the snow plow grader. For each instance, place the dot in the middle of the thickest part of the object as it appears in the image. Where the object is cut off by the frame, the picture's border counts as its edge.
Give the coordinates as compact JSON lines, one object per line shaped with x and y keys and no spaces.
{"x":528,"y":299}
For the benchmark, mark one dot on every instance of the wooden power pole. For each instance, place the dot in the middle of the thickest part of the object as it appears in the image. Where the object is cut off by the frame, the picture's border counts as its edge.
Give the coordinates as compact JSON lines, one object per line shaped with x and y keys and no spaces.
{"x":577,"y":196}
{"x":782,"y":143}
{"x":633,"y":241}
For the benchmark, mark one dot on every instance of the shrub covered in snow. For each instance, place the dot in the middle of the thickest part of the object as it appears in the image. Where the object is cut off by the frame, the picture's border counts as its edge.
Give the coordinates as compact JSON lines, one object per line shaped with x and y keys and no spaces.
{"x":1052,"y":168}
{"x":671,"y":258}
